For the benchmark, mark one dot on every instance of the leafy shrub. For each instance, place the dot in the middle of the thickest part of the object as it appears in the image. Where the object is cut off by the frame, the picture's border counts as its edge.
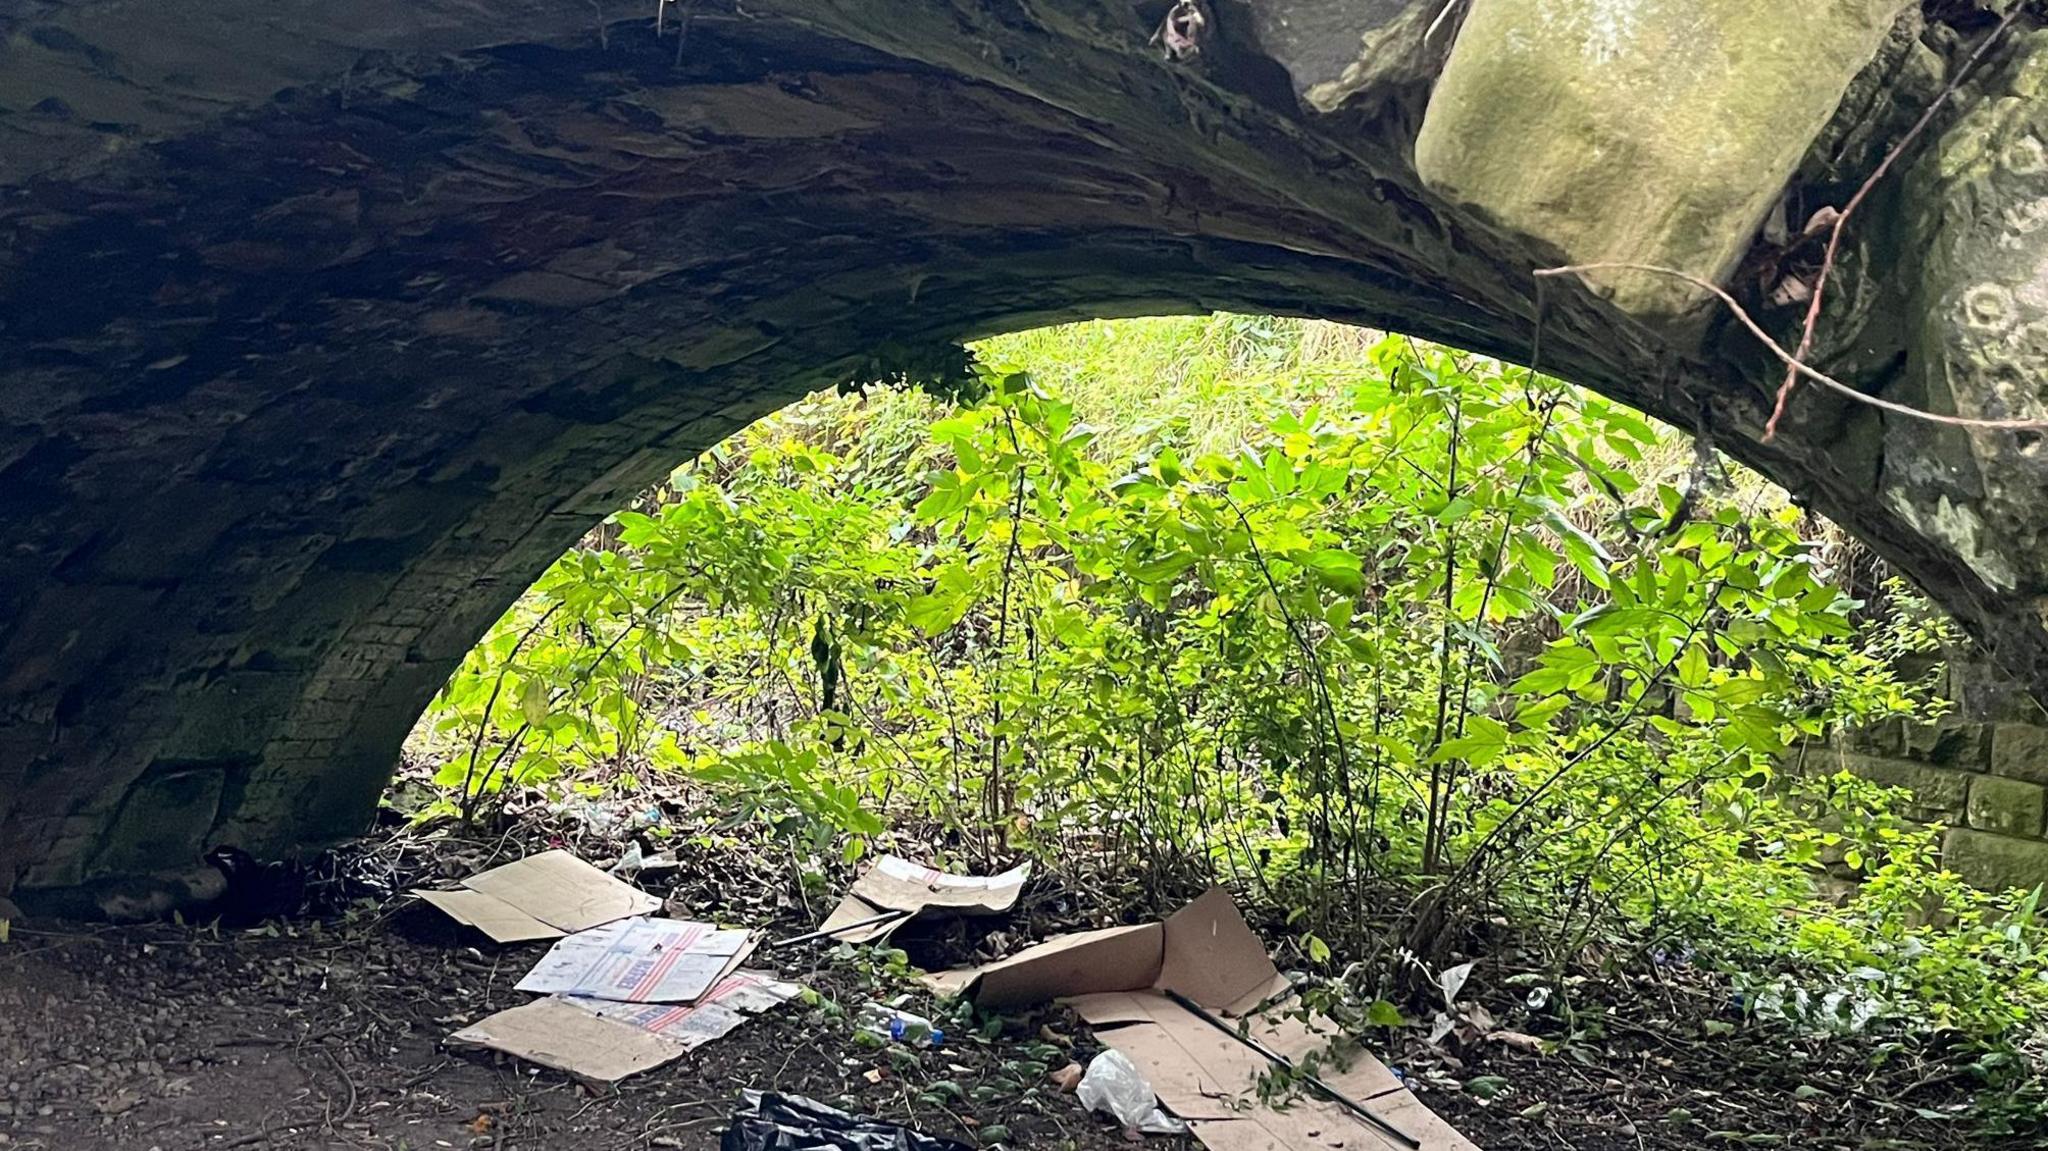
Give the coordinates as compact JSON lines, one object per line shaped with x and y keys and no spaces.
{"x":1424,"y":630}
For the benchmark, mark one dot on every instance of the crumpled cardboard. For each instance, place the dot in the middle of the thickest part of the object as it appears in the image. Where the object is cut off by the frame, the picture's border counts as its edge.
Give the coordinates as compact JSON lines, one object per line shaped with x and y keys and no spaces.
{"x":1116,"y":980}
{"x":895,"y":884}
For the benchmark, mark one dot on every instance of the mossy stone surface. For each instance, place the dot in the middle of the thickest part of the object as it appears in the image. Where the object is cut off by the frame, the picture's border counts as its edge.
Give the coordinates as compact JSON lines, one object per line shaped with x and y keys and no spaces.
{"x":1641,"y":131}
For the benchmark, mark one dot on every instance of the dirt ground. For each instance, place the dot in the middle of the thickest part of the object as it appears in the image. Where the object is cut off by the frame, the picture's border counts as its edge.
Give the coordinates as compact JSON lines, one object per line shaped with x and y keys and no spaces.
{"x":330,"y":1034}
{"x":163,"y":1038}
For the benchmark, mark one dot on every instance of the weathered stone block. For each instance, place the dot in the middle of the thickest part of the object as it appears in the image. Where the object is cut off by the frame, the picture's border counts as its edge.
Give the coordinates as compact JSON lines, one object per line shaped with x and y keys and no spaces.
{"x":1886,"y":737}
{"x":1978,"y":342}
{"x":232,"y":717}
{"x":2020,"y":751}
{"x":2007,"y":806}
{"x":1950,"y":742}
{"x":1995,"y":862}
{"x":1648,"y":131}
{"x":163,"y":823}
{"x":1939,"y":795}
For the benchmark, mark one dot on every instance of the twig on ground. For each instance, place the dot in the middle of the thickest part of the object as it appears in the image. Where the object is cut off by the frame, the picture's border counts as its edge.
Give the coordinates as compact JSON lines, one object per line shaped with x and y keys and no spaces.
{"x":349,"y":1109}
{"x":1791,"y":362}
{"x":1841,"y":222}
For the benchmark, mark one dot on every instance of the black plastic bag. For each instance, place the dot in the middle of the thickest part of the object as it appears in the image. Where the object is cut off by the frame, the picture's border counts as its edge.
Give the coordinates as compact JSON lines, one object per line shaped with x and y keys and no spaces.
{"x":766,"y":1121}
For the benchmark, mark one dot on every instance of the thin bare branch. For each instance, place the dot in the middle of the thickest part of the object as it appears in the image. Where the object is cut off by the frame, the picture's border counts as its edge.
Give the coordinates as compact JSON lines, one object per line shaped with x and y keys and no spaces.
{"x":1827,"y":263}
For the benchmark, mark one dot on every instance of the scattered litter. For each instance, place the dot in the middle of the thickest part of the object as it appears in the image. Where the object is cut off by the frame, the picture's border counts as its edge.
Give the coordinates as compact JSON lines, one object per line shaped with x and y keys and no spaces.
{"x":1114,"y":1085}
{"x":624,"y":993}
{"x":900,"y":1026}
{"x":636,"y":862}
{"x":1152,"y":991}
{"x":1067,"y":1079}
{"x":895,"y":891}
{"x":771,"y":1122}
{"x":543,"y":896}
{"x":640,"y":961}
{"x":606,"y":1041}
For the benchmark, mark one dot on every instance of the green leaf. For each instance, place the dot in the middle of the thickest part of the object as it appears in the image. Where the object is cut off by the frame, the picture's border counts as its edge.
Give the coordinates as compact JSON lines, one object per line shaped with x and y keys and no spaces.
{"x":1487,"y":1086}
{"x":937,"y":612}
{"x":1619,"y":621}
{"x":533,"y":700}
{"x":1341,"y":570}
{"x":1318,"y":951}
{"x":1482,"y":743}
{"x":1692,"y":666}
{"x":1740,"y":690}
{"x":1384,"y":1014}
{"x":1541,"y":712}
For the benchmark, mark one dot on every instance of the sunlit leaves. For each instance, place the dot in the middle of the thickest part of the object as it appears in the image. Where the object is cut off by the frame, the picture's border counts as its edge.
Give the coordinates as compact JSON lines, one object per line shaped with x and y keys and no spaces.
{"x":1450,"y":603}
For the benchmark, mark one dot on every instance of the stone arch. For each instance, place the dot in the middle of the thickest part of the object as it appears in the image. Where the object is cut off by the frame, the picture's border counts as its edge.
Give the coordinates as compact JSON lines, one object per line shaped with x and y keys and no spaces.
{"x":317,"y":345}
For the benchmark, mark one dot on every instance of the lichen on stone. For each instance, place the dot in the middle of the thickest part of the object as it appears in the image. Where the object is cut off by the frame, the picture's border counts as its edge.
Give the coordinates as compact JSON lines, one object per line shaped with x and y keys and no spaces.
{"x":1980,"y":199}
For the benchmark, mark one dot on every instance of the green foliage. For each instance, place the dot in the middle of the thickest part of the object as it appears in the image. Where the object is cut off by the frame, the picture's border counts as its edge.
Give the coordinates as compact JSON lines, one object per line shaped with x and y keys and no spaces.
{"x":1384,"y":618}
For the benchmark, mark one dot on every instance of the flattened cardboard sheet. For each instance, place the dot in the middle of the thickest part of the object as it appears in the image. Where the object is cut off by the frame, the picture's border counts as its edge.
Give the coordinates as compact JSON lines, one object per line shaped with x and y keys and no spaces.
{"x":1211,"y":1080}
{"x":1317,"y":1125}
{"x":640,"y":961}
{"x":1201,"y":1068}
{"x":1111,"y":959}
{"x":604,"y":1041}
{"x":896,"y":884}
{"x":490,"y":915}
{"x":720,"y":1010}
{"x":554,"y":1032}
{"x":543,"y":896}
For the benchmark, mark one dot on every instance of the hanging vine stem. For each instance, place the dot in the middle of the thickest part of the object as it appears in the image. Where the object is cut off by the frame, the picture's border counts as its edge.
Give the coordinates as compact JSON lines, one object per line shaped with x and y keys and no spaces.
{"x":1841,"y":222}
{"x":1793,"y":363}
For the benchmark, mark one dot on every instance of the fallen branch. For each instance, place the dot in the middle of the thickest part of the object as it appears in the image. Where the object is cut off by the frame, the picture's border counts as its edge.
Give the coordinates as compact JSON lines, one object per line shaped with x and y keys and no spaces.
{"x":1841,"y":223}
{"x":1794,"y":364}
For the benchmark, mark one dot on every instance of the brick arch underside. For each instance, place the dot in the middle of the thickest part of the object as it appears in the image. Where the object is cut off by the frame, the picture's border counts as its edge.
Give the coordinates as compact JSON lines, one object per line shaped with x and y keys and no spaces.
{"x":293,"y":407}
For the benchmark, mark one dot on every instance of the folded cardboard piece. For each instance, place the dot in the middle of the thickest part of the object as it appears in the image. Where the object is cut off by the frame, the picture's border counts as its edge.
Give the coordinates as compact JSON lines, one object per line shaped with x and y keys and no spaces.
{"x":1117,"y":980}
{"x":543,"y":896}
{"x":898,"y":885}
{"x":604,"y":1041}
{"x":1205,"y":951}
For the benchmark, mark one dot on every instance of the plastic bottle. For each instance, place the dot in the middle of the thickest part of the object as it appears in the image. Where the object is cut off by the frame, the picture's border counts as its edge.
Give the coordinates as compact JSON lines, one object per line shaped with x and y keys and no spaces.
{"x":900,"y":1026}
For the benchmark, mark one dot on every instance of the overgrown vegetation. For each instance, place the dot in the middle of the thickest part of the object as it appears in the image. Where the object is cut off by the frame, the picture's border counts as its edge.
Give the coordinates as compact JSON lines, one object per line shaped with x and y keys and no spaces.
{"x":1354,"y":625}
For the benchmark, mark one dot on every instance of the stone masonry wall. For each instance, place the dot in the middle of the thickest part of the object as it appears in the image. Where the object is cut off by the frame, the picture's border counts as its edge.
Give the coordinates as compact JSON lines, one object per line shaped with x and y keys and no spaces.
{"x":1986,"y":782}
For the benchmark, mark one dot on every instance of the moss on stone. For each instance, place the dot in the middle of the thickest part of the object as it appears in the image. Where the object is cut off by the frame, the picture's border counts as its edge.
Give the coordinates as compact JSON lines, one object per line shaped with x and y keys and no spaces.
{"x":1995,"y":862}
{"x":2006,"y":806}
{"x":1645,"y":131}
